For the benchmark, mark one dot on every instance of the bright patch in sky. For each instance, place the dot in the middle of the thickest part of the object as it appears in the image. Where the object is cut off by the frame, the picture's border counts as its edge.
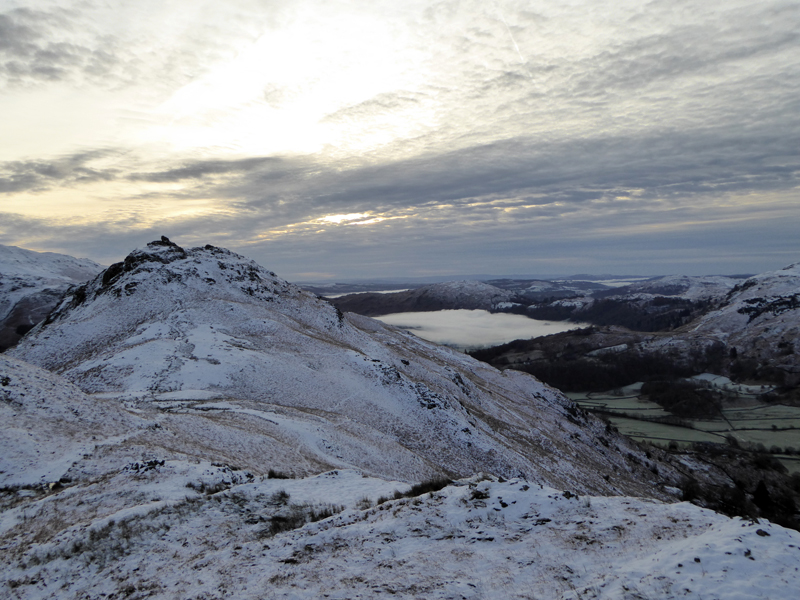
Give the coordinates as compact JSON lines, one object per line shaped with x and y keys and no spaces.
{"x":343,"y":218}
{"x":276,"y":94}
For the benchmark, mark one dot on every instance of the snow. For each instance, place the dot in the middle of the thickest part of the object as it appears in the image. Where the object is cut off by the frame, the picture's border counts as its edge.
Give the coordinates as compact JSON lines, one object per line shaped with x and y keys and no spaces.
{"x":684,"y":286}
{"x":31,"y":284}
{"x":139,"y":466}
{"x":480,"y":537}
{"x":204,"y":342}
{"x":19,"y":262}
{"x":760,"y":317}
{"x":25,"y":272}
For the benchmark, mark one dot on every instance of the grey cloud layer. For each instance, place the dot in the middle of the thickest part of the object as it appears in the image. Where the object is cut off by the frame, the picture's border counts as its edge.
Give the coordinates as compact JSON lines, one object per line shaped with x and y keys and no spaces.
{"x":589,"y":117}
{"x":36,"y":46}
{"x":38,"y":175}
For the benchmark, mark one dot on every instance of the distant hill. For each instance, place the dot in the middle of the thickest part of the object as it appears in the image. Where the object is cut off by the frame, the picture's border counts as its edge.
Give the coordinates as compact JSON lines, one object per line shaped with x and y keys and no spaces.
{"x":439,"y":296}
{"x":31,"y":284}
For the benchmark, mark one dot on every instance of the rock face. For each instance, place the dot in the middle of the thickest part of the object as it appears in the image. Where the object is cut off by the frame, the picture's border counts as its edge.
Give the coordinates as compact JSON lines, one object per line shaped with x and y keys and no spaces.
{"x":469,"y":295}
{"x":240,"y":366}
{"x":31,"y":284}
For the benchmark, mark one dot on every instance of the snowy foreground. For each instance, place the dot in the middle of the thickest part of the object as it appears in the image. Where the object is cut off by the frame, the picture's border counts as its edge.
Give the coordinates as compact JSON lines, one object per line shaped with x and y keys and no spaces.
{"x":147,"y":534}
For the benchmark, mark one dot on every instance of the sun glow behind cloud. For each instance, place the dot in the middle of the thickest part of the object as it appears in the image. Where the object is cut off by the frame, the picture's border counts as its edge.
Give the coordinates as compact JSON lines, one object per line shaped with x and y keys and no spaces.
{"x":343,"y":218}
{"x":278,"y":95}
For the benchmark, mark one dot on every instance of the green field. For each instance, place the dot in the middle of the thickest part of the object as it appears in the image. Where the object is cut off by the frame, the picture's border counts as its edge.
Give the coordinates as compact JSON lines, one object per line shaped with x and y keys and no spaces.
{"x":772,"y":425}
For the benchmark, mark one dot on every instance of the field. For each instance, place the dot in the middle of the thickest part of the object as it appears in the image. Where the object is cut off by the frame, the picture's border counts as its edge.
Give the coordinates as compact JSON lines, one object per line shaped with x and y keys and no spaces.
{"x":751,"y":423}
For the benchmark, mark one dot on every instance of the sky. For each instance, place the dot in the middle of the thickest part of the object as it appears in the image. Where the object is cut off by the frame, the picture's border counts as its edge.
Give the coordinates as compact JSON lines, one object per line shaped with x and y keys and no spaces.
{"x":341,"y":140}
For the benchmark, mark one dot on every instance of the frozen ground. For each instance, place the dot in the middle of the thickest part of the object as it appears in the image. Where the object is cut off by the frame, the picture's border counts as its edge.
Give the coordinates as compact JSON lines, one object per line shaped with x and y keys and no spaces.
{"x":149,"y":535}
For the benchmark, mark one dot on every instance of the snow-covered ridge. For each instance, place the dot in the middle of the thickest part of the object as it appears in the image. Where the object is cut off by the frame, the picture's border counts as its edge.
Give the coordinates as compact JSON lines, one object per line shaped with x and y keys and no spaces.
{"x":761,"y":319}
{"x":693,"y":288}
{"x":19,"y":262}
{"x":208,"y":334}
{"x":479,"y":538}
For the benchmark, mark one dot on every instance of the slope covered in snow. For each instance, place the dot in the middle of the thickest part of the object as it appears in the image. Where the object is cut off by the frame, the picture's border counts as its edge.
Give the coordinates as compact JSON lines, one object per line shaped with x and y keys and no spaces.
{"x":31,"y":284}
{"x":181,"y":530}
{"x":693,"y":288}
{"x":243,"y":367}
{"x":761,"y":320}
{"x":194,"y":373}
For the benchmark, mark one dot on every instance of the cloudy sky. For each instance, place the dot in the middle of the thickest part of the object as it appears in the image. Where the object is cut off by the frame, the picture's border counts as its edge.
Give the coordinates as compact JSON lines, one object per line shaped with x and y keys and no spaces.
{"x":344,"y":139}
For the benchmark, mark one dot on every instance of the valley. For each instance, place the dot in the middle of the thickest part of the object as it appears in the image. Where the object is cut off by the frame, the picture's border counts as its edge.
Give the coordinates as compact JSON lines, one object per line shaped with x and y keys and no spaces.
{"x":749,"y":423}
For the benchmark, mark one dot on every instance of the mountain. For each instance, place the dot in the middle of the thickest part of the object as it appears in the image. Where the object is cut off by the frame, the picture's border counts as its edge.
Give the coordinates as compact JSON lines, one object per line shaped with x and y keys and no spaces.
{"x":31,"y":284}
{"x":122,"y":517}
{"x":208,"y":430}
{"x":759,"y":326}
{"x":439,"y":296}
{"x":656,"y":304}
{"x":677,"y":286}
{"x":676,"y":327}
{"x":209,"y":333}
{"x":527,"y":290}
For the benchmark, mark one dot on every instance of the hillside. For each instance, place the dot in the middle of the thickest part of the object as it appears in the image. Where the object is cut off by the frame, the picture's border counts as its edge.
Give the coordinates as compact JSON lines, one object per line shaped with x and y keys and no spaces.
{"x":748,"y":332}
{"x":123,"y":517}
{"x":159,"y":535}
{"x":759,"y":324}
{"x":31,"y":284}
{"x":186,"y":385}
{"x":207,"y":333}
{"x":655,"y":304}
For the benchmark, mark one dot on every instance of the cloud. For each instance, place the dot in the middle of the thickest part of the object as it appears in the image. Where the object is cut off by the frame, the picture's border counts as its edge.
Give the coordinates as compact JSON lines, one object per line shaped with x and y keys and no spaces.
{"x":67,"y":171}
{"x":42,"y":46}
{"x":581,"y":131}
{"x":382,"y":103}
{"x":204,"y":168}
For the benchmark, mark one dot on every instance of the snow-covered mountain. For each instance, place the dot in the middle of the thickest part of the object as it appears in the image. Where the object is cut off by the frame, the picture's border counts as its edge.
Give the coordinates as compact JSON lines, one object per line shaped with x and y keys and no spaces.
{"x":123,"y":517}
{"x":656,"y":304}
{"x":761,"y":320}
{"x":139,"y":465}
{"x":687,"y":287}
{"x":31,"y":284}
{"x":208,"y":333}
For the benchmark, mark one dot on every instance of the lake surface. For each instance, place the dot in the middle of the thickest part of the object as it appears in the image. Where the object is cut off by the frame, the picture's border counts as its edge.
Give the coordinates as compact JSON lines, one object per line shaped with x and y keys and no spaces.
{"x":471,"y":329}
